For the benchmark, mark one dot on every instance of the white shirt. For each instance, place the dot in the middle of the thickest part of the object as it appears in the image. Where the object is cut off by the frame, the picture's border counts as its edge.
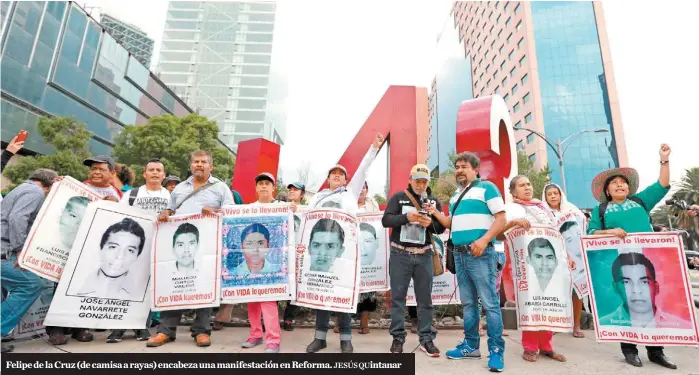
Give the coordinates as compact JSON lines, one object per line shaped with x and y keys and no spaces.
{"x":104,"y":191}
{"x":153,"y":202}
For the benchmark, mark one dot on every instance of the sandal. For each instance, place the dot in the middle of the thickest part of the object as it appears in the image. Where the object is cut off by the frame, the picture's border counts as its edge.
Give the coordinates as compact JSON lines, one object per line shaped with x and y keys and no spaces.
{"x":530,"y":356}
{"x":577,"y":333}
{"x":363,"y":330}
{"x":336,"y":329}
{"x":555,"y":356}
{"x":217,"y":326}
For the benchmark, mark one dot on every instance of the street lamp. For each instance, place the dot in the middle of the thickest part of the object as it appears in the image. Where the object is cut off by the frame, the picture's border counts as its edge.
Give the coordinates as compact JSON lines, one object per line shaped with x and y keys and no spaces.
{"x":559,"y":148}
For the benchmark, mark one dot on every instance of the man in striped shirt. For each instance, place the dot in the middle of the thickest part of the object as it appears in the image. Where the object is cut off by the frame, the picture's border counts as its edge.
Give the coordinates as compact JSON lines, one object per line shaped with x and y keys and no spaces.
{"x":477,"y":216}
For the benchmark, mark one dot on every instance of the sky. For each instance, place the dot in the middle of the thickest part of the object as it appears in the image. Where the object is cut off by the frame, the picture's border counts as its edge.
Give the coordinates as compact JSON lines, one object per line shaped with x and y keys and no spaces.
{"x":341,"y":57}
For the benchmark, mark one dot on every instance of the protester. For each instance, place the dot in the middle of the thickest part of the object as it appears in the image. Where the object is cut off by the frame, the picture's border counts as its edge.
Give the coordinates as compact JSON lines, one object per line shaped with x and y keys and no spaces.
{"x":99,"y":179}
{"x":624,"y":210}
{"x":171,"y":182}
{"x":477,"y":217}
{"x":264,"y":187}
{"x":344,"y":197}
{"x":521,"y":214}
{"x":554,"y":198}
{"x":124,"y":178}
{"x":412,"y":260}
{"x":200,"y":193}
{"x":18,"y":211}
{"x":297,"y":191}
{"x":152,"y":198}
{"x":11,"y":150}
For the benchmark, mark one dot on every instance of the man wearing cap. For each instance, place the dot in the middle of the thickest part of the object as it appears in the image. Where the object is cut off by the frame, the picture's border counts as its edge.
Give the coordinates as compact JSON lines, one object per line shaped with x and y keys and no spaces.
{"x":200,"y":193}
{"x":171,"y":182}
{"x":624,"y":210}
{"x":99,"y":178}
{"x":342,"y":195}
{"x":297,"y":190}
{"x":411,"y":256}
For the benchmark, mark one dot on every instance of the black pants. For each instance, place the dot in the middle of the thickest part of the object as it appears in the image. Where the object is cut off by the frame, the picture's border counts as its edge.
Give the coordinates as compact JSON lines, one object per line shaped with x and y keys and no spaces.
{"x":412,"y":312}
{"x":627,"y":348}
{"x":290,"y":312}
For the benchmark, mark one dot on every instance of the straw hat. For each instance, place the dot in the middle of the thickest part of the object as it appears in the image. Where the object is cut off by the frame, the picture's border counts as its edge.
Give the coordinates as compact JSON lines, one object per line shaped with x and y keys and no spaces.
{"x":599,"y":182}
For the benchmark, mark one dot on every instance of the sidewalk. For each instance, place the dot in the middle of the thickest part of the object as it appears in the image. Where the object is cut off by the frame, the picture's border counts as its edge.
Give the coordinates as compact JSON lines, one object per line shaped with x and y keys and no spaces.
{"x":585,"y":356}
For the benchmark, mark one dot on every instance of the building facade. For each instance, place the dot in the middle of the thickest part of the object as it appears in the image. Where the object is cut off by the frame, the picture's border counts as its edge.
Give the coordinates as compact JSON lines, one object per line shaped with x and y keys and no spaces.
{"x":131,"y":37}
{"x":58,"y":61}
{"x":551,"y":63}
{"x":218,"y":57}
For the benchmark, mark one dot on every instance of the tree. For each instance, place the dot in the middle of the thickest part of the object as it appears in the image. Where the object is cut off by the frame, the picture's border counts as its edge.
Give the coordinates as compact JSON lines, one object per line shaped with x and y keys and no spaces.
{"x":689,"y":192}
{"x":70,"y":139}
{"x":380,"y":199}
{"x":172,"y":140}
{"x":281,"y":188}
{"x":444,"y":187}
{"x":539,"y":179}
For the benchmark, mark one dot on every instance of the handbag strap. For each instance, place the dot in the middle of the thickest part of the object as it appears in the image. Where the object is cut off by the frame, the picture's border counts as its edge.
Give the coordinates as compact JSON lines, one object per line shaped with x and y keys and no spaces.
{"x":417,"y":207}
{"x":456,"y":205}
{"x":194,"y":192}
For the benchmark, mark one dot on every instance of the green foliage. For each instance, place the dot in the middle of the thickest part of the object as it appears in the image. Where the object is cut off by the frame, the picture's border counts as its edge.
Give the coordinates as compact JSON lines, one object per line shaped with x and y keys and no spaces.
{"x":380,"y":199}
{"x":281,"y":187}
{"x":539,"y":179}
{"x":69,"y":137}
{"x":172,"y":139}
{"x":689,"y":192}
{"x":444,"y":187}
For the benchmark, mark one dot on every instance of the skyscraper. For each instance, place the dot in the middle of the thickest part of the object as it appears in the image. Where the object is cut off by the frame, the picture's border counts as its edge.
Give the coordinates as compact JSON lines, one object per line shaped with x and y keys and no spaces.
{"x":218,"y":57}
{"x":131,"y":37}
{"x":551,"y":63}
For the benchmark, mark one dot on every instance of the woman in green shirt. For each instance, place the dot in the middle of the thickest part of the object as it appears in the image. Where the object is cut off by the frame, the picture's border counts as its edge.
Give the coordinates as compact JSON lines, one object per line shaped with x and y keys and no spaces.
{"x":628,"y":211}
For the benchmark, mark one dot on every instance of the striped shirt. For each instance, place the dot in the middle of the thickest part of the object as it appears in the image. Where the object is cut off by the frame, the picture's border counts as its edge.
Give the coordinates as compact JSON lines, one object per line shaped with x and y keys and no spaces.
{"x":474,"y":215}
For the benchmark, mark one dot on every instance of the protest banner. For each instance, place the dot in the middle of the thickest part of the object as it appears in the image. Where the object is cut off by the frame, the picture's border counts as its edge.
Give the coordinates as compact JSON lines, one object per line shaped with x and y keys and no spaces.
{"x":106,"y":280}
{"x":327,"y":269}
{"x":186,"y":263}
{"x":32,"y":322}
{"x":259,"y":256}
{"x":444,"y":286}
{"x":51,"y":237}
{"x":639,"y":289}
{"x":572,"y":226}
{"x":373,"y":253}
{"x":543,"y":284}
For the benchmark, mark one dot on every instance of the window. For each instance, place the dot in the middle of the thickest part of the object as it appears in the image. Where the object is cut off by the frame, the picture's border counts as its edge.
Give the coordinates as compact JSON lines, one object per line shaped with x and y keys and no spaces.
{"x":507,"y":5}
{"x":502,"y":48}
{"x":499,"y":32}
{"x":490,"y":15}
{"x":493,"y":61}
{"x":481,"y":77}
{"x":520,"y":144}
{"x":502,"y":64}
{"x":519,"y":25}
{"x":487,"y":83}
{"x":495,"y":74}
{"x":530,"y":138}
{"x":526,"y":98}
{"x":485,"y":55}
{"x":487,"y":68}
{"x":509,"y":20}
{"x":514,"y":89}
{"x":510,"y":55}
{"x":497,"y":90}
{"x":517,"y":9}
{"x":504,"y":81}
{"x":492,"y":45}
{"x":518,"y":125}
{"x":515,"y":108}
{"x":512,"y":72}
{"x":525,"y":79}
{"x":520,"y":43}
{"x":507,"y":96}
{"x":523,"y":60}
{"x":497,"y":20}
{"x":491,"y":29}
{"x":528,"y":118}
{"x":532,"y":158}
{"x":509,"y":38}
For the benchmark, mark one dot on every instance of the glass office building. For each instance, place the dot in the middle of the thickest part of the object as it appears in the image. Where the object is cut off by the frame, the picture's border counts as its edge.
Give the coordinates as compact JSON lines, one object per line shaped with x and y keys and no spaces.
{"x":56,"y":60}
{"x":550,"y":61}
{"x":131,"y":37}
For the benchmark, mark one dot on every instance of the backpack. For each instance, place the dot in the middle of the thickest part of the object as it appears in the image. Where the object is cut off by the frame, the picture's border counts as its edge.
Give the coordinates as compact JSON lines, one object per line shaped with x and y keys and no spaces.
{"x":603,"y":209}
{"x":132,"y":196}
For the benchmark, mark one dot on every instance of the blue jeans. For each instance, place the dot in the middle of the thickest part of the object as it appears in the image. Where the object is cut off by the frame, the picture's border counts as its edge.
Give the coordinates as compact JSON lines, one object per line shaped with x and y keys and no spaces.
{"x":23,"y":287}
{"x":477,"y":277}
{"x":344,"y":321}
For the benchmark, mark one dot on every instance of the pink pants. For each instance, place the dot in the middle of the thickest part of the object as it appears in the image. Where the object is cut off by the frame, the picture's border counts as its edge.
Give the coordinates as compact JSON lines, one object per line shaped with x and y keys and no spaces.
{"x":268,"y":311}
{"x":533,"y":341}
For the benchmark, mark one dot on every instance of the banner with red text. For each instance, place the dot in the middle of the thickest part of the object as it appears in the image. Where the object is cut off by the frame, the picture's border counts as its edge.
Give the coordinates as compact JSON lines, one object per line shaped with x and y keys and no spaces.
{"x":259,"y":256}
{"x":106,"y":281}
{"x":327,"y":261}
{"x":572,"y":226}
{"x":51,"y":237}
{"x":186,"y":263}
{"x":373,"y":253}
{"x":541,"y":275}
{"x":640,"y":289}
{"x":444,"y":286}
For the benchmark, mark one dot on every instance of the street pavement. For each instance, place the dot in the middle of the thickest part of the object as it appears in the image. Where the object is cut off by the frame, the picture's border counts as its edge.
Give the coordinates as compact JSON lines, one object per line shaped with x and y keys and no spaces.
{"x":585,"y":356}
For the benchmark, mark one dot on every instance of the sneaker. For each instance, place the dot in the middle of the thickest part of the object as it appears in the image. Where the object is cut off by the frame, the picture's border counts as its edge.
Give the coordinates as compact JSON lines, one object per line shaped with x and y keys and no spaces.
{"x":82,"y":335}
{"x":346,"y":346}
{"x":7,"y":348}
{"x":429,"y":349}
{"x":316,"y":346}
{"x":272,"y":348}
{"x":142,"y":334}
{"x":464,"y":351}
{"x":58,"y":338}
{"x":496,"y":361}
{"x":288,"y":325}
{"x":115,"y":337}
{"x":396,"y":347}
{"x":251,"y":343}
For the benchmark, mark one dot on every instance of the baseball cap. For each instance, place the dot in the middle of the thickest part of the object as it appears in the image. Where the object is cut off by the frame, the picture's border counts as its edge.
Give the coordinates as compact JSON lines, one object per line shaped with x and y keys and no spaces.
{"x":338,"y":166}
{"x":265,"y":176}
{"x":102,"y":159}
{"x":420,"y":171}
{"x":298,"y":185}
{"x":170,"y":179}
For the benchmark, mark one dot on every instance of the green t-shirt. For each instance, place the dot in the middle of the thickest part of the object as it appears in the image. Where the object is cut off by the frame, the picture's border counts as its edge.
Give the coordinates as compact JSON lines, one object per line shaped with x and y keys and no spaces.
{"x":629,"y":216}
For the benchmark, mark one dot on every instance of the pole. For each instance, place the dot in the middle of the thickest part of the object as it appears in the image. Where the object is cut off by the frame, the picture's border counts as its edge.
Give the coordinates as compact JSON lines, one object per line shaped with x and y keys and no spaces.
{"x":560,"y":163}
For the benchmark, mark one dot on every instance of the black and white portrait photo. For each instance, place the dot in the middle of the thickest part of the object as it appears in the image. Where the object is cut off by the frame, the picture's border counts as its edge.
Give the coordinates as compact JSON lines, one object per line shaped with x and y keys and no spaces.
{"x":412,"y":232}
